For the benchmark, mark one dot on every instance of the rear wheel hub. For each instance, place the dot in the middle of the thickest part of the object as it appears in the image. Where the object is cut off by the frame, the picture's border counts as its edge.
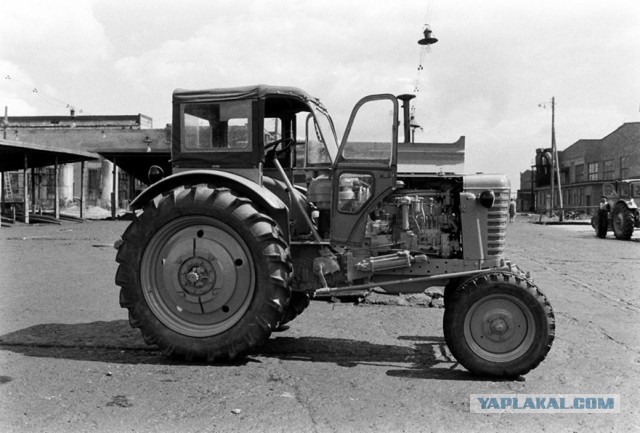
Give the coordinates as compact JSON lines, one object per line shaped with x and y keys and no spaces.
{"x":197,"y":276}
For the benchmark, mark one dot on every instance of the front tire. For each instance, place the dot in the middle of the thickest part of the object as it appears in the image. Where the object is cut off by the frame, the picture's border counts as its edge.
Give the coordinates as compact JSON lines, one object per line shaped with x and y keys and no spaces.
{"x":499,"y":324}
{"x":623,"y":221}
{"x":204,"y":274}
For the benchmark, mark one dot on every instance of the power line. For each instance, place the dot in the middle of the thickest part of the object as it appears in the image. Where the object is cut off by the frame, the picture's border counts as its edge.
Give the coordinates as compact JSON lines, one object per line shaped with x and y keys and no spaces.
{"x":51,"y":100}
{"x":425,"y":46}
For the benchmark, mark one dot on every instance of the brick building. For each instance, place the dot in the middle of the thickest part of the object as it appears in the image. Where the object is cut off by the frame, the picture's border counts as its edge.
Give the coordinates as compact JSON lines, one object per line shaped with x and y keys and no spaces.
{"x":584,"y":167}
{"x":525,"y":201}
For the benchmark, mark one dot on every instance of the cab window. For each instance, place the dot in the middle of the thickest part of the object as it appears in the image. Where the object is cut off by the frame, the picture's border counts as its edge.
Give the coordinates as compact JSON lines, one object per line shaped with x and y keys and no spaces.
{"x":370,"y":137}
{"x":355,"y":191}
{"x":317,"y":152}
{"x":217,"y":127}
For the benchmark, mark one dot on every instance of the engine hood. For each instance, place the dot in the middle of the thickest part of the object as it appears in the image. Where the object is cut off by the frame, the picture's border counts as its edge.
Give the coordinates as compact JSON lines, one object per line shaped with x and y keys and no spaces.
{"x":486,"y":181}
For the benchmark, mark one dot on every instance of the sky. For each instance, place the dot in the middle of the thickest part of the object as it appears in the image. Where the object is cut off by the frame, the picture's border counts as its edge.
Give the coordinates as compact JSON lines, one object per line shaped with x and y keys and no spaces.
{"x":490,"y":77}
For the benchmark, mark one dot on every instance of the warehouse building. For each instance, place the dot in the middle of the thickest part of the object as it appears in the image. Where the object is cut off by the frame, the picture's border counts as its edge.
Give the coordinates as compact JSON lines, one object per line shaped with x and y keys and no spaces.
{"x":584,"y":167}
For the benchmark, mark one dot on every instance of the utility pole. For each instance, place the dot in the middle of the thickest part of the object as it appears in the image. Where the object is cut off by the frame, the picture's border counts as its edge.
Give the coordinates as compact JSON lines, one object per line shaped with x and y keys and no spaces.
{"x":6,"y":122}
{"x":553,"y":155}
{"x":555,"y":163}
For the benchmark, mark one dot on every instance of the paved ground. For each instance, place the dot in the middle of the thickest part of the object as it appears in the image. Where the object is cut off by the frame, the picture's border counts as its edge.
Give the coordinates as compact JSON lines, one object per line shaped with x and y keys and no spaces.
{"x":70,"y":362}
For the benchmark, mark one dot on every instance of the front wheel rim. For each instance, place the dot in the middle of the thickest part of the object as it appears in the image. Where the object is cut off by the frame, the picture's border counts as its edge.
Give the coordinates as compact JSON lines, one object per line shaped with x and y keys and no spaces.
{"x":197,"y":276}
{"x":499,"y":328}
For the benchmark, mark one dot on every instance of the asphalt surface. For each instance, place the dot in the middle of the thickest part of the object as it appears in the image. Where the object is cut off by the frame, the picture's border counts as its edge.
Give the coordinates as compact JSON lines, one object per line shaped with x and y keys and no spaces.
{"x":70,"y":362}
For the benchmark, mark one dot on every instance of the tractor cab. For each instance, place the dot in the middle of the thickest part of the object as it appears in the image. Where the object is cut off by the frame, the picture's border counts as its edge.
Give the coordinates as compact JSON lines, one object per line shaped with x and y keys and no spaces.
{"x":278,"y":135}
{"x":242,"y":129}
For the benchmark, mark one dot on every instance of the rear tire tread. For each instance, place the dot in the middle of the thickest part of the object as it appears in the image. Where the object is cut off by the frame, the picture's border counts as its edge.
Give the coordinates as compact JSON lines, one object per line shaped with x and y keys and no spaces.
{"x":272,"y":283}
{"x":625,"y":229}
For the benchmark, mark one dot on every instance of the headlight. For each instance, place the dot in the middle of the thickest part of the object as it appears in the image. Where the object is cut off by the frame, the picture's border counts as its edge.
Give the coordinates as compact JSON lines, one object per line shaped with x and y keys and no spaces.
{"x":487,"y":198}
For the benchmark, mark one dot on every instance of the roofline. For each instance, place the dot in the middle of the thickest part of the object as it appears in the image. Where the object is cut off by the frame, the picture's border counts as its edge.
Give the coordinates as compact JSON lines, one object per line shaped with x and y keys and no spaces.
{"x":593,"y":140}
{"x":41,"y":147}
{"x":620,"y":127}
{"x":77,"y":118}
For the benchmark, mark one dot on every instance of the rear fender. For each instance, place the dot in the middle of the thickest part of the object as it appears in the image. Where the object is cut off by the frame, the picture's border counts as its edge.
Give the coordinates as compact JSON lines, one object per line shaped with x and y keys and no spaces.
{"x":267,"y":201}
{"x":630,"y":203}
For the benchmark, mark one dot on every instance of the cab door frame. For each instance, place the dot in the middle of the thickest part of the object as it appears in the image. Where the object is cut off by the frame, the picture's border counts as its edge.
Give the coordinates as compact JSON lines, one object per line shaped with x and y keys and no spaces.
{"x":348,"y":225}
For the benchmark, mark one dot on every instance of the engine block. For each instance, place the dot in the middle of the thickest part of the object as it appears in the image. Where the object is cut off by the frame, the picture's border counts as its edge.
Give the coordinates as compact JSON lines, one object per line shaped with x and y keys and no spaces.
{"x":421,"y":221}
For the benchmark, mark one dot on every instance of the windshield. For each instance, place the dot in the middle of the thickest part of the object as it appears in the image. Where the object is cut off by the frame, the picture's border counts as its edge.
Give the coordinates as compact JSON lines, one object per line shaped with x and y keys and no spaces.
{"x":321,"y":131}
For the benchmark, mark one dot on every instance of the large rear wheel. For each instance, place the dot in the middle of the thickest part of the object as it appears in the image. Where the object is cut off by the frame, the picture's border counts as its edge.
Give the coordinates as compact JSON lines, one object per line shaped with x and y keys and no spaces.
{"x":499,"y":324}
{"x":297,"y":304}
{"x":204,"y":274}
{"x":622,"y":220}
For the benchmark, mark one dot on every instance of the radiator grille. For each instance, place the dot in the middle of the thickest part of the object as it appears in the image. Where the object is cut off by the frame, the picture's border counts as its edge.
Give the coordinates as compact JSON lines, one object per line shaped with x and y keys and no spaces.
{"x":497,"y":224}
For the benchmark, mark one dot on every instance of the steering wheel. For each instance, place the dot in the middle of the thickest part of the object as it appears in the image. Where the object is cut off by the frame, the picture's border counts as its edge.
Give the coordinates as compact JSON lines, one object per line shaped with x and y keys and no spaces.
{"x":286,"y":145}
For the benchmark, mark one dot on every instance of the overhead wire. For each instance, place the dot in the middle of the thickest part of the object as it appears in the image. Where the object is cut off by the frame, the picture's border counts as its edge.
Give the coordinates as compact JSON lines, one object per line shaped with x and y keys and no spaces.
{"x":423,"y":50}
{"x":48,"y":99}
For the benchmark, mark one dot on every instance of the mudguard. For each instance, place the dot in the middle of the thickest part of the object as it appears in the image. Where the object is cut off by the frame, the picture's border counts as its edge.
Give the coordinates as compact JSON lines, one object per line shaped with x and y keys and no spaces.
{"x":629,"y":202}
{"x":267,"y":201}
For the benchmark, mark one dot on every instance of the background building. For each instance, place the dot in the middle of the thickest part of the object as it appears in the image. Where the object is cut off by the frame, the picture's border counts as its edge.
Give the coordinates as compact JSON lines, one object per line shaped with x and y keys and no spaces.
{"x":525,"y":201}
{"x":126,"y":136}
{"x":584,"y":167}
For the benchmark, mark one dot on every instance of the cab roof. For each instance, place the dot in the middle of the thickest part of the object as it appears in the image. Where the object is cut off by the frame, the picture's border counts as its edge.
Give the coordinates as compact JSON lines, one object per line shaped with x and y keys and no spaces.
{"x":237,"y":93}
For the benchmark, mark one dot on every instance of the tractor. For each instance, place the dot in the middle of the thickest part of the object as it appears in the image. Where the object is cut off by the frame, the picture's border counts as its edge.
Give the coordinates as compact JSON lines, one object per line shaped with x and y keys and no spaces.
{"x":618,"y":211}
{"x":265,"y":210}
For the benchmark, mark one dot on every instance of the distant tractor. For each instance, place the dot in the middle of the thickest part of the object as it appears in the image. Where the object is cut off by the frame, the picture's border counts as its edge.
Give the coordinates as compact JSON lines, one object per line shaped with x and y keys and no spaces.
{"x":618,"y":209}
{"x":265,"y":210}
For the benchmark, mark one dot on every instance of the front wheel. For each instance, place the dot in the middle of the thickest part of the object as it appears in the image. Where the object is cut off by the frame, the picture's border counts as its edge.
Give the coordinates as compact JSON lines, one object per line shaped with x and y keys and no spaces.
{"x":203,"y":273}
{"x":499,"y":324}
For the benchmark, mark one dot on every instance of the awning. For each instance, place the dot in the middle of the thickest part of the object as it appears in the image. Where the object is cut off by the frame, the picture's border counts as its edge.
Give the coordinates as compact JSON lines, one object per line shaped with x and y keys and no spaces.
{"x":137,"y":163}
{"x":12,"y":155}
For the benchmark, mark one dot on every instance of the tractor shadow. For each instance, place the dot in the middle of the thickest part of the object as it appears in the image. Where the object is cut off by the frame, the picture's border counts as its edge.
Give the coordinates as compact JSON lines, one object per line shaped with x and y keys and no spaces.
{"x":113,"y":341}
{"x":415,"y":357}
{"x":422,"y":358}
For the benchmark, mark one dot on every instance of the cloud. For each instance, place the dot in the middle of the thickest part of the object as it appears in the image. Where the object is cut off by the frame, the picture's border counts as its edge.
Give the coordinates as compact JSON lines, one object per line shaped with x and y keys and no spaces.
{"x":60,"y":35}
{"x":54,"y":52}
{"x":494,"y":62}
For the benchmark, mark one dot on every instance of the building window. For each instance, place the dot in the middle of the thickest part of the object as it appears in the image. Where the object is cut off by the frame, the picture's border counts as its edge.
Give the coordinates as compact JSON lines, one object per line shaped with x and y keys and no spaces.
{"x":624,"y":167}
{"x":593,"y":170}
{"x":93,"y":179}
{"x":608,"y":170}
{"x":579,"y":173}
